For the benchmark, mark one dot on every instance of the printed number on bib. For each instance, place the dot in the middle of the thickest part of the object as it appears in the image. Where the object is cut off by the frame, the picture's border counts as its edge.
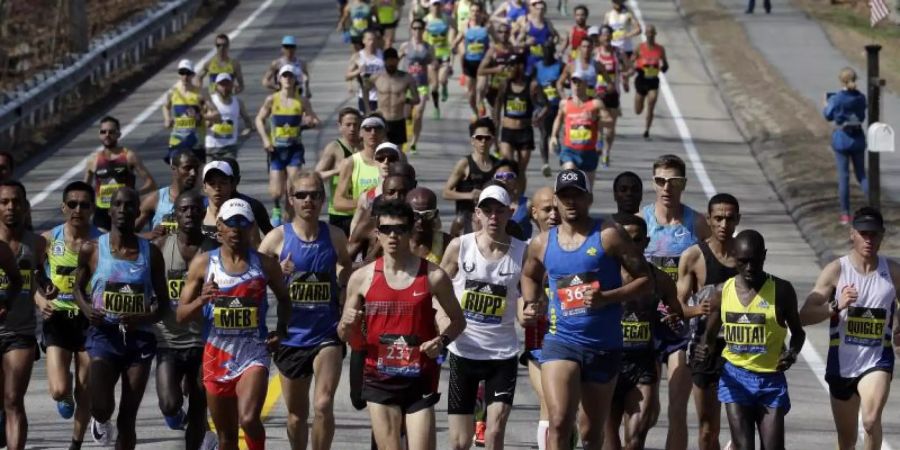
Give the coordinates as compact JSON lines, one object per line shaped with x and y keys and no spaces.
{"x":235,"y":313}
{"x":745,"y":332}
{"x":551,"y":93}
{"x":484,"y":302}
{"x":537,"y":51}
{"x":571,"y":290}
{"x":104,"y":197}
{"x":124,"y":298}
{"x":63,"y":278}
{"x":618,"y":35}
{"x":223,"y":129}
{"x":865,"y":326}
{"x":579,"y":136}
{"x":516,"y":106}
{"x":174,"y":284}
{"x":360,"y":24}
{"x":399,"y":355}
{"x":651,"y":72}
{"x":475,"y":48}
{"x":668,"y":264}
{"x":310,"y":289}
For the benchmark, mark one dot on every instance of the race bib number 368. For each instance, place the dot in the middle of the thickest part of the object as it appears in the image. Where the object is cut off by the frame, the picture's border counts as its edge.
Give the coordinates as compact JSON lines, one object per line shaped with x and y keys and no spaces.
{"x":571,"y":290}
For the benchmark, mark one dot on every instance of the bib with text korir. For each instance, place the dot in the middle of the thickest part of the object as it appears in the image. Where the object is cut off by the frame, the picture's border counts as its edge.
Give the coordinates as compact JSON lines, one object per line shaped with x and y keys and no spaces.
{"x":310,"y":290}
{"x":174,"y":284}
{"x":235,"y":315}
{"x":570,"y":291}
{"x":745,"y":332}
{"x":399,"y":356}
{"x":484,"y":302}
{"x":124,"y":299}
{"x":865,"y":326}
{"x":635,"y":332}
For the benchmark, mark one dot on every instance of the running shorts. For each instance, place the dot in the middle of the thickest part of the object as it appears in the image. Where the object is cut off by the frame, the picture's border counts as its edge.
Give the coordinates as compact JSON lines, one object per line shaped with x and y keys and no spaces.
{"x":586,"y":160}
{"x":597,"y":366}
{"x":499,"y":378}
{"x":281,"y":158}
{"x":396,"y":131}
{"x":228,"y":388}
{"x":65,"y":329}
{"x":638,"y":367}
{"x":107,"y":342}
{"x":522,"y":139}
{"x":845,"y":388}
{"x":297,"y":362}
{"x":644,"y":85}
{"x":748,"y":388}
{"x":707,"y":374}
{"x":470,"y":68}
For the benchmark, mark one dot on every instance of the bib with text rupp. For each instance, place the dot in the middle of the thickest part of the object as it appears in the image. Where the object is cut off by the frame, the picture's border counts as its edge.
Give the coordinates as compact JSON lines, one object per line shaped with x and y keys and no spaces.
{"x":484,"y":302}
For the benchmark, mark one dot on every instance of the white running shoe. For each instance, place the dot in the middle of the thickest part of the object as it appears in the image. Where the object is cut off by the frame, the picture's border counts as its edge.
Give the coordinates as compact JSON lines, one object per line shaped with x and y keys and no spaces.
{"x":101,"y":433}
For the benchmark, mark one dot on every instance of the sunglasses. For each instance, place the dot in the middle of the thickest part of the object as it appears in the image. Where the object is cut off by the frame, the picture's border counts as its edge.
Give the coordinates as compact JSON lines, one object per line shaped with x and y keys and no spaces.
{"x":289,"y":47}
{"x":389,"y":158}
{"x":287,"y":75}
{"x":426,"y":215}
{"x":237,"y":222}
{"x":505,"y":176}
{"x":398,"y":229}
{"x":313,"y":195}
{"x":109,"y":131}
{"x":483,"y":138}
{"x":185,"y":73}
{"x":220,"y":45}
{"x":72,"y":204}
{"x":370,"y":129}
{"x":417,"y":28}
{"x":677,"y":182}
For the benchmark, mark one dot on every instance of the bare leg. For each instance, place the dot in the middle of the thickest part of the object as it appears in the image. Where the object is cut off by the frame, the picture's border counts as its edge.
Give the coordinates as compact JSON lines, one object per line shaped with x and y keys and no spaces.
{"x":595,"y":402}
{"x":17,"y":365}
{"x":296,"y":399}
{"x":224,"y":414}
{"x":709,"y":411}
{"x":134,"y":383}
{"x":873,"y":388}
{"x":327,"y":369}
{"x":386,"y":424}
{"x":679,"y":376}
{"x":742,"y":422}
{"x":562,"y":392}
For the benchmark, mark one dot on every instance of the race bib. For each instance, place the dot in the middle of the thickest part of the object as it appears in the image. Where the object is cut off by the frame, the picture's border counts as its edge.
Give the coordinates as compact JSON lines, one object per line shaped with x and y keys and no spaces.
{"x":224,"y":129}
{"x":580,"y":135}
{"x":415,"y":69}
{"x":63,"y":277}
{"x":360,"y":23}
{"x":537,"y":51}
{"x":668,"y":264}
{"x":570,"y":291}
{"x":235,"y":314}
{"x":124,"y":299}
{"x":26,"y":280}
{"x":618,"y":35}
{"x":865,"y":326}
{"x":602,"y":81}
{"x":174,"y":284}
{"x":104,"y":197}
{"x":745,"y":332}
{"x":516,"y":106}
{"x":310,"y":290}
{"x":484,"y":302}
{"x":168,"y":222}
{"x":635,"y":333}
{"x":399,"y":355}
{"x":651,"y":72}
{"x":551,"y":93}
{"x":475,"y":48}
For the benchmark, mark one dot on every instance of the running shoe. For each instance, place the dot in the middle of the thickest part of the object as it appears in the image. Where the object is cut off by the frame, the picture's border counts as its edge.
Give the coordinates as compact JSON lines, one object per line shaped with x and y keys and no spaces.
{"x":276,"y":217}
{"x":845,"y":219}
{"x":480,"y":428}
{"x":412,"y":149}
{"x":176,"y":422}
{"x":66,"y":407}
{"x":546,"y":170}
{"x":444,"y":93}
{"x":101,"y":433}
{"x":462,"y":80}
{"x":647,"y":135}
{"x":605,"y":162}
{"x":210,"y":441}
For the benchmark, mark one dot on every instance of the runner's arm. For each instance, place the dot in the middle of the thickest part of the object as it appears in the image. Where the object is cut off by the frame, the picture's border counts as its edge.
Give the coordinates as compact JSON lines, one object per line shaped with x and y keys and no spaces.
{"x":87,"y":261}
{"x":272,"y":243}
{"x":412,"y":90}
{"x":354,"y":69}
{"x":617,"y":244}
{"x":89,"y":169}
{"x":713,"y":326}
{"x":248,"y":121}
{"x":636,"y":29}
{"x":148,"y":209}
{"x":484,"y":67}
{"x":275,"y":280}
{"x":442,"y":290}
{"x":532,"y":281}
{"x":308,"y":111}
{"x":450,"y":192}
{"x":264,"y":111}
{"x":201,"y":74}
{"x":361,"y":215}
{"x":450,"y":261}
{"x":167,"y":111}
{"x":687,"y":281}
{"x":238,"y":77}
{"x":664,"y":60}
{"x":786,"y":307}
{"x":141,"y":170}
{"x":342,"y":21}
{"x":325,"y":168}
{"x":195,"y":293}
{"x":354,"y":311}
{"x":343,"y":200}
{"x":818,"y":305}
{"x":895,"y":277}
{"x":11,"y":268}
{"x":344,"y":263}
{"x":268,"y":79}
{"x":158,"y":279}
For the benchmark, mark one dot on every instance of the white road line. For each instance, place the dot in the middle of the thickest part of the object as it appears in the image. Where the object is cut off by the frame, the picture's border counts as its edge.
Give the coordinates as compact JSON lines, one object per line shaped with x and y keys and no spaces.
{"x":810,"y":355}
{"x":143,"y":116}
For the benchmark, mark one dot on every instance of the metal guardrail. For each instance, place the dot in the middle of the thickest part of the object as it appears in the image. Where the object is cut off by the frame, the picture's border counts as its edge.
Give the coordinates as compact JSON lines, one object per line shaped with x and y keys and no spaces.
{"x":37,"y":101}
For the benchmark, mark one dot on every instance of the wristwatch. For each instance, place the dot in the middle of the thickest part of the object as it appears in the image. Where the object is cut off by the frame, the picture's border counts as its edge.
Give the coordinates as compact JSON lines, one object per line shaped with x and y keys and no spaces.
{"x":445,"y":340}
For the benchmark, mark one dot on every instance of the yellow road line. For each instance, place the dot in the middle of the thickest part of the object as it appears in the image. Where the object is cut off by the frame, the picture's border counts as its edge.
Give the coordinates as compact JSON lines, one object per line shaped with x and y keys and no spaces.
{"x":273,"y":394}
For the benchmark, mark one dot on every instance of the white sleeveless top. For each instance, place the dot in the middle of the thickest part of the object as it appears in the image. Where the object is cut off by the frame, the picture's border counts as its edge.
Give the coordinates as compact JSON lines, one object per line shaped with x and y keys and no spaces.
{"x":230,"y":113}
{"x":371,"y":65}
{"x":488,"y":292}
{"x":861,"y":334}
{"x":618,"y":21}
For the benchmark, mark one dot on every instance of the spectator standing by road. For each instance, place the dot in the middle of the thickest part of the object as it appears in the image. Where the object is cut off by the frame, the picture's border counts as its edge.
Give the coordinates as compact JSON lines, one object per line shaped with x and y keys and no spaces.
{"x":847,"y":109}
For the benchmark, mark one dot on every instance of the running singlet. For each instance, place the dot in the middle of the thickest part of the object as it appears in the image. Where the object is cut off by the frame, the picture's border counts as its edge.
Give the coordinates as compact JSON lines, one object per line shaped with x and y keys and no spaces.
{"x":398,"y":321}
{"x":514,"y":11}
{"x":121,"y":287}
{"x":540,"y":35}
{"x":547,"y":76}
{"x":165,"y":212}
{"x":417,"y":60}
{"x":754,"y":339}
{"x":170,"y":333}
{"x":370,"y":65}
{"x":590,"y":76}
{"x":716,"y":273}
{"x":518,"y":104}
{"x":386,"y":11}
{"x":577,"y":35}
{"x":649,"y":60}
{"x":476,"y":44}
{"x":618,"y":21}
{"x":475,"y":179}
{"x":60,"y":267}
{"x":668,"y":242}
{"x":502,"y":58}
{"x":215,"y":67}
{"x":20,"y":315}
{"x":284,"y":123}
{"x":570,"y":273}
{"x":224,"y":132}
{"x":608,"y":81}
{"x":360,"y":13}
{"x":313,"y":288}
{"x":234,"y":323}
{"x":110,"y":174}
{"x":364,"y":177}
{"x":861,"y":334}
{"x":188,"y":123}
{"x":580,"y":128}
{"x":436,"y":34}
{"x":334,"y":182}
{"x":488,"y":292}
{"x":638,"y":321}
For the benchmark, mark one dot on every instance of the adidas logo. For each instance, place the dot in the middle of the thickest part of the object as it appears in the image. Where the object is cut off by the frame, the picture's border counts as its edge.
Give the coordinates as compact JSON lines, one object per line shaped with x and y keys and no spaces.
{"x":486,"y":289}
{"x":743,"y":319}
{"x":671,"y":263}
{"x":126,"y":289}
{"x":575,"y":280}
{"x":401,"y":341}
{"x":868,"y":314}
{"x":631,"y":318}
{"x":312,"y":277}
{"x":235,"y":303}
{"x":763,"y":303}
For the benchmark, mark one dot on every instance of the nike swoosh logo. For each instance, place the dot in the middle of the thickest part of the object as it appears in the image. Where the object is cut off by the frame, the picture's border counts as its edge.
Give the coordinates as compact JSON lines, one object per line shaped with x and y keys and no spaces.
{"x":498,"y":394}
{"x":506,"y":274}
{"x":682,"y":233}
{"x":427,"y":396}
{"x":135,"y":269}
{"x":419,"y":294}
{"x":146,"y":355}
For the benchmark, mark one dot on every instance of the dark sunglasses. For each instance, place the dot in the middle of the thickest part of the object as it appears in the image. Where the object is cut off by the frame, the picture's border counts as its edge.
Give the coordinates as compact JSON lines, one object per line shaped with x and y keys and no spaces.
{"x":185,"y":72}
{"x":72,"y":204}
{"x":389,"y":158}
{"x":102,"y":131}
{"x":677,"y":182}
{"x":313,"y":195}
{"x":427,"y":215}
{"x":237,"y":222}
{"x":290,"y":47}
{"x":399,"y":229}
{"x":370,"y":128}
{"x":483,"y":138}
{"x":220,"y":45}
{"x":505,"y":176}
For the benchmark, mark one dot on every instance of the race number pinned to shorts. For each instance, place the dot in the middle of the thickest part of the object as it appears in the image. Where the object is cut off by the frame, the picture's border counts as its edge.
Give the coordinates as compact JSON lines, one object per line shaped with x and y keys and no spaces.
{"x":174,"y":284}
{"x":484,"y":302}
{"x":123,"y":299}
{"x":399,"y":355}
{"x":309,"y":290}
{"x":570,"y":291}
{"x":865,"y":326}
{"x":235,"y":314}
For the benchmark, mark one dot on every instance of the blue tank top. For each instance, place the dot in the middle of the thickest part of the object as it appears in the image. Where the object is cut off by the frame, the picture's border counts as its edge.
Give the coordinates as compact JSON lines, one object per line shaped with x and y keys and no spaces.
{"x":546,"y":77}
{"x":121,"y":287}
{"x":165,"y":211}
{"x":570,"y":273}
{"x":668,"y":242}
{"x":477,"y":42}
{"x":513,"y":11}
{"x":313,"y":288}
{"x":521,"y":217}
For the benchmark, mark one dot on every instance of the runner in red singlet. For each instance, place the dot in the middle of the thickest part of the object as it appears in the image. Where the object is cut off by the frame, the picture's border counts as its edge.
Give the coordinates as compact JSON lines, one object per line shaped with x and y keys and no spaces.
{"x":649,"y":60}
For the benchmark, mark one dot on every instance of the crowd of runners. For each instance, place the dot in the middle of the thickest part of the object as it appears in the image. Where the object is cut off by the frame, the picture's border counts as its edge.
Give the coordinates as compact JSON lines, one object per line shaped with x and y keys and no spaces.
{"x":610,"y":306}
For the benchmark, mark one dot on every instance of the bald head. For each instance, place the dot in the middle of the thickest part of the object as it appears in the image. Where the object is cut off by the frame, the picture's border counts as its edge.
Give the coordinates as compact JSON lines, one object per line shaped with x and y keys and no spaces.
{"x":750,"y":256}
{"x":402,"y":169}
{"x":421,"y":198}
{"x":750,"y":241}
{"x":543,"y":211}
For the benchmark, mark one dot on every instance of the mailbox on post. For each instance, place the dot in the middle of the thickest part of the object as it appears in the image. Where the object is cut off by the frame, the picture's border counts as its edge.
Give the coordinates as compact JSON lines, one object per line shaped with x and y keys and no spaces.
{"x":880,"y":138}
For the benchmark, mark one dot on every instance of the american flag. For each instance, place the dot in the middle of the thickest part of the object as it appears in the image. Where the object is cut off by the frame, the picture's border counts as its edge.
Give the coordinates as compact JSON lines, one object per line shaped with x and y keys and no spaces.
{"x":878,"y":11}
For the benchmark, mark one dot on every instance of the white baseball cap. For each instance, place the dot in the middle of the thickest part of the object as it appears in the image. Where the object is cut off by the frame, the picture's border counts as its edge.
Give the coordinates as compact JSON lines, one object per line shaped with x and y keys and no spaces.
{"x":223,"y":77}
{"x":221,"y":166}
{"x":235,"y":207}
{"x":579,"y":75}
{"x":495,"y":192}
{"x":287,"y":68}
{"x":594,"y":31}
{"x":186,"y":64}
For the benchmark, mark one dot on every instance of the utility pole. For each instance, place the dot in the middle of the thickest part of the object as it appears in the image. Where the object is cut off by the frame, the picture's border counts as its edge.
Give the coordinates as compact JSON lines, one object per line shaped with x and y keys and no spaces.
{"x":78,"y":26}
{"x":874,"y":84}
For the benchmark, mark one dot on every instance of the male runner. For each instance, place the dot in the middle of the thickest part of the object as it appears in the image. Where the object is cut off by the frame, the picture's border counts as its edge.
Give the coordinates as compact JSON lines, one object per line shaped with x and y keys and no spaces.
{"x":226,"y":288}
{"x":361,"y":172}
{"x":112,"y":168}
{"x":183,"y":112}
{"x":624,"y":26}
{"x":628,"y":191}
{"x":356,"y":18}
{"x":611,"y":77}
{"x":426,"y":239}
{"x":219,"y":186}
{"x":387,"y":14}
{"x":636,"y":398}
{"x":64,"y":325}
{"x":221,"y":62}
{"x":470,"y":174}
{"x":438,"y":28}
{"x":223,"y":114}
{"x":393,"y":295}
{"x":286,"y":114}
{"x":672,"y":228}
{"x":333,"y":156}
{"x":158,"y":208}
{"x":581,"y":354}
{"x":419,"y":58}
{"x":121,"y":288}
{"x":702,"y":266}
{"x":578,"y":119}
{"x":533,"y":32}
{"x":864,"y":329}
{"x":547,"y":72}
{"x":485,"y":267}
{"x":476,"y":40}
{"x":397,"y":184}
{"x":495,"y":67}
{"x":395,"y":90}
{"x":260,"y":214}
{"x":20,"y":277}
{"x":578,"y":33}
{"x":389,"y":159}
{"x":316,"y":266}
{"x":649,"y":60}
{"x":363,"y":64}
{"x":271,"y":79}
{"x":756,"y":310}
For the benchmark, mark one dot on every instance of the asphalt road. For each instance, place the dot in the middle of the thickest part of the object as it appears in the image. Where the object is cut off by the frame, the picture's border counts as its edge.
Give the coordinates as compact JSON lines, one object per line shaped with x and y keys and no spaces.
{"x":692,"y":122}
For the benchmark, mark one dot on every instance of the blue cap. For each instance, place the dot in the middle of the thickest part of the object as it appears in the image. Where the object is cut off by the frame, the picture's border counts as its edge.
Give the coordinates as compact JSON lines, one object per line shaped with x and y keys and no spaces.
{"x":289,"y":40}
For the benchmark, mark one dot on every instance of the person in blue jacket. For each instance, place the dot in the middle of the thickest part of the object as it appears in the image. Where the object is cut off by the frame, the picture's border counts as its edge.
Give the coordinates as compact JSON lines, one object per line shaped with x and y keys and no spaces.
{"x":847,"y":109}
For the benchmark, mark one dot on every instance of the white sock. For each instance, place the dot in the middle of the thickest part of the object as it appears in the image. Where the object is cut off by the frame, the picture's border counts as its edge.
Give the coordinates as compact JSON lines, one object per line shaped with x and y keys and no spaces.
{"x":543,"y":425}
